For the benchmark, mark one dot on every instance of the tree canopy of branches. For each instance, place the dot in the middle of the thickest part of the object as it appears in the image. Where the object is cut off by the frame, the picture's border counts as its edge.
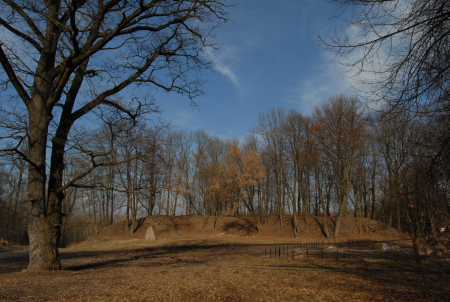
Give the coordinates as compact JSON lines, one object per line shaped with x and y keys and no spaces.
{"x":69,"y":59}
{"x":405,"y":47}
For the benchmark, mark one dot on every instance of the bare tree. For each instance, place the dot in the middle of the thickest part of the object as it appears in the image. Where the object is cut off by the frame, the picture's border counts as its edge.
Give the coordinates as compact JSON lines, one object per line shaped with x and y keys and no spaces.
{"x":297,"y":133}
{"x":195,"y":182}
{"x":132,"y":149}
{"x":68,"y":59}
{"x":270,"y":128}
{"x":211,"y":175}
{"x":322,"y":178}
{"x":404,"y":45}
{"x":340,"y":130}
{"x":13,"y":210}
{"x":182,"y":187}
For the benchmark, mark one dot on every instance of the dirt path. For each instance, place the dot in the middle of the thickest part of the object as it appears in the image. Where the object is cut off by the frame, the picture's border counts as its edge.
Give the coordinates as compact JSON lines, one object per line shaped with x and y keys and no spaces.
{"x":6,"y":254}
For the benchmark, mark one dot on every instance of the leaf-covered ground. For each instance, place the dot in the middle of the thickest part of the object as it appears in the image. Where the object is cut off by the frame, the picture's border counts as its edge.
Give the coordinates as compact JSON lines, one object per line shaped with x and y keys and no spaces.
{"x":224,"y":270}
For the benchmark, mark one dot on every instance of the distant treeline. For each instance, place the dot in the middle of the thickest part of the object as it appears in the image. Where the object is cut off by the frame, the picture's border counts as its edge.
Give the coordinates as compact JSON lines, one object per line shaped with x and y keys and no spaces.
{"x":341,"y":160}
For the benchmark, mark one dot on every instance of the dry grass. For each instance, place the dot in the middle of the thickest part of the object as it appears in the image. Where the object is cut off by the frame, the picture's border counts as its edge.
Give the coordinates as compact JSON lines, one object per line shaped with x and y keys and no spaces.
{"x":221,"y":269}
{"x":207,"y":227}
{"x":3,"y":244}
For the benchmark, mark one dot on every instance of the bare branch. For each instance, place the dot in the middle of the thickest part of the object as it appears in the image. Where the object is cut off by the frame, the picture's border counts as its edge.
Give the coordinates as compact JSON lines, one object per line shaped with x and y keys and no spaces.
{"x":27,"y":19}
{"x":13,"y":77}
{"x":21,"y":34}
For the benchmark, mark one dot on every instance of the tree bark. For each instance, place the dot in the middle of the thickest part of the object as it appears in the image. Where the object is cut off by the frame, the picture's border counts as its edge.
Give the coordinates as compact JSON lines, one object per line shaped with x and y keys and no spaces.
{"x":44,"y":228}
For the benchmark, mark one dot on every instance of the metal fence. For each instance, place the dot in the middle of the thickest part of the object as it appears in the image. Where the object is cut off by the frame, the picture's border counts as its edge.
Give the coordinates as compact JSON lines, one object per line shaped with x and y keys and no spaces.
{"x":326,"y":250}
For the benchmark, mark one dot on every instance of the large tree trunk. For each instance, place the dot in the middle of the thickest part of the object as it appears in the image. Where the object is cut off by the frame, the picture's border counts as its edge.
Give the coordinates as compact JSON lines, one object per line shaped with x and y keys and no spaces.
{"x":44,"y":227}
{"x":44,"y":239}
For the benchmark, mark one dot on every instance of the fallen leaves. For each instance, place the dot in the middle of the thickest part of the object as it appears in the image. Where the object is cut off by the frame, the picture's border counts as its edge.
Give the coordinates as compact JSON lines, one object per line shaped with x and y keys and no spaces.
{"x":206,"y":272}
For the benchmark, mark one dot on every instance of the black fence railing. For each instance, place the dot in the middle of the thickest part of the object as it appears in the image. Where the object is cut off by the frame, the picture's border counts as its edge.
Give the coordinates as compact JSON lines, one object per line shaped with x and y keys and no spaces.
{"x":325,"y":249}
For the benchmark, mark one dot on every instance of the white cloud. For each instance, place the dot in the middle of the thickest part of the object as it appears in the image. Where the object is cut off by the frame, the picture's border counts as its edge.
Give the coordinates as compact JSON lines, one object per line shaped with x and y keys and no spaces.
{"x":219,"y":65}
{"x":330,"y":79}
{"x":338,"y":74}
{"x":185,"y":119}
{"x":226,"y":71}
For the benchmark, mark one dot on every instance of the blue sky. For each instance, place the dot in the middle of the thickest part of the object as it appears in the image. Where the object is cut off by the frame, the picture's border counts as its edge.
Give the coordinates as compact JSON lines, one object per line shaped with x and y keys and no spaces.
{"x":269,"y":57}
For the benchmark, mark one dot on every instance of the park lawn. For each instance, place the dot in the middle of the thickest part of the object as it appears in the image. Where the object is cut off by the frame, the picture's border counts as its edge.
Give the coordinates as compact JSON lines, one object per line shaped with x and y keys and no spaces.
{"x":220,"y":270}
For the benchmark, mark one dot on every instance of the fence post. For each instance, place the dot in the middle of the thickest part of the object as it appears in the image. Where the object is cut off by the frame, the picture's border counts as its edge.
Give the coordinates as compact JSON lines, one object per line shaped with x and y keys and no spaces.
{"x":322,"y":255}
{"x":307,"y":257}
{"x":337,"y":255}
{"x":270,"y":252}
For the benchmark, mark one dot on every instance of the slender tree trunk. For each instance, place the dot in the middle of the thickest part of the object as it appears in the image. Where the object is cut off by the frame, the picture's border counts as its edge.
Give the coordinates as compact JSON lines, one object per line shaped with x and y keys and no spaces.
{"x":174,"y":210}
{"x":266,"y":198}
{"x":280,"y":202}
{"x":305,"y":206}
{"x":324,"y":211}
{"x":338,"y":220}
{"x":94,"y":212}
{"x":342,"y":211}
{"x":83,"y":206}
{"x":356,"y":209}
{"x":129,"y":192}
{"x":16,"y":201}
{"x":133,"y":212}
{"x":366,"y":215}
{"x":294,"y":208}
{"x":399,"y":218}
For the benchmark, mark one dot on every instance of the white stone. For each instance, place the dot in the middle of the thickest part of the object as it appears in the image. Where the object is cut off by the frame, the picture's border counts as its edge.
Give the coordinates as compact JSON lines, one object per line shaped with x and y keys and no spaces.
{"x":150,"y":234}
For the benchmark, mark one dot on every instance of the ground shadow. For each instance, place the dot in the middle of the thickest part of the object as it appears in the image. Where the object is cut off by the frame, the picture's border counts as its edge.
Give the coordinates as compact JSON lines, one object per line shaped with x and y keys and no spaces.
{"x":247,"y":227}
{"x":321,"y":227}
{"x":139,"y":223}
{"x":146,"y":253}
